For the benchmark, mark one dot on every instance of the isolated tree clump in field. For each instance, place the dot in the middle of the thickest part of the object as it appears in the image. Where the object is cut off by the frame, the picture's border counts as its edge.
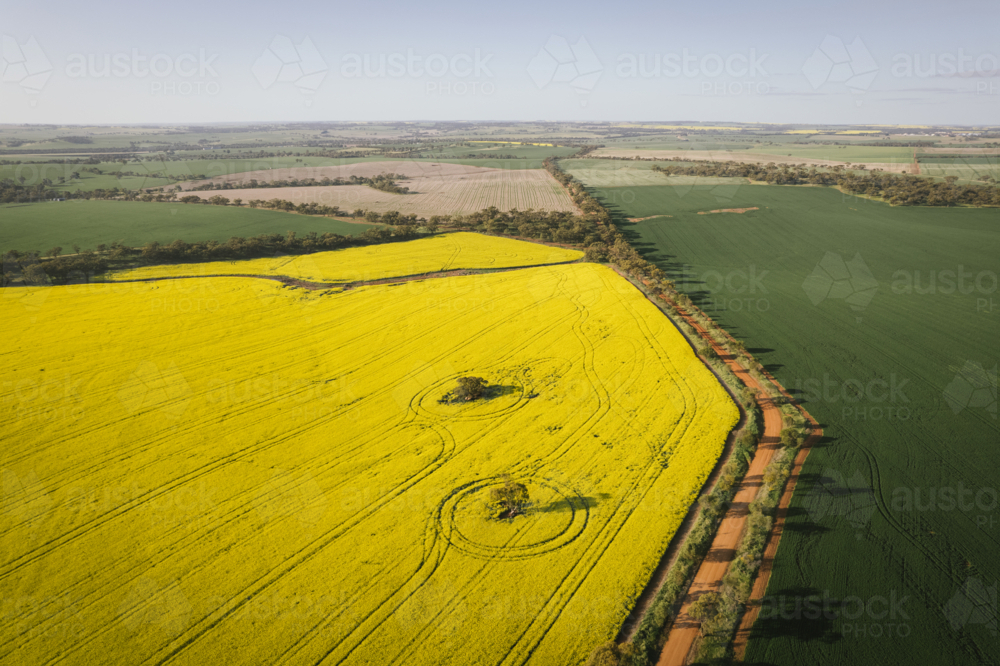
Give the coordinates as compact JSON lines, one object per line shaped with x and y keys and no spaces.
{"x":469,"y":388}
{"x":508,"y":500}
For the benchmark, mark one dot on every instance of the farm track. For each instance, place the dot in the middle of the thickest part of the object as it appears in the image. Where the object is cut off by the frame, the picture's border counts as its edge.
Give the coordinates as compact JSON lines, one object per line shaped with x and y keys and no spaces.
{"x":631,"y":624}
{"x":684,"y":630}
{"x":774,"y":539}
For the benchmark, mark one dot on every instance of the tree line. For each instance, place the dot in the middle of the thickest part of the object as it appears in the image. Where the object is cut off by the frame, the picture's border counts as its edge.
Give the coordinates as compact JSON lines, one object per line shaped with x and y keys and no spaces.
{"x":385,"y":182}
{"x":898,"y":190}
{"x":647,"y":643}
{"x":36,"y":269}
{"x":14,"y":192}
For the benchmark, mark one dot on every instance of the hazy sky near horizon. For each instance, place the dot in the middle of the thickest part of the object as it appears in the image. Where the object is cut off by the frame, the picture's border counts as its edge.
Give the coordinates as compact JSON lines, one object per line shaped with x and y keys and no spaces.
{"x":784,"y":62}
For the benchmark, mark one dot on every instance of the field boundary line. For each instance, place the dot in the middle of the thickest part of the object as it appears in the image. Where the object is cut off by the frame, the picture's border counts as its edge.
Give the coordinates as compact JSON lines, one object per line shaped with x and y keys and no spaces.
{"x":315,"y":286}
{"x":769,"y":410}
{"x":659,"y":575}
{"x":709,"y":574}
{"x":762,"y":578}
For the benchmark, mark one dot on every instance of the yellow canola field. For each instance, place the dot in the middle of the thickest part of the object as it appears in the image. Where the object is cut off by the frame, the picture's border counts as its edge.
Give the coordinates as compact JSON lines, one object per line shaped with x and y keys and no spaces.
{"x":272,"y":478}
{"x":442,"y":252}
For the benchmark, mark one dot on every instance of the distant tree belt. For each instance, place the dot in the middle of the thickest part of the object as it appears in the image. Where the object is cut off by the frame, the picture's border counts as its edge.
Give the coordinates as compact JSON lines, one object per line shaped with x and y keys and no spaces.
{"x":866,"y":144}
{"x":898,"y":190}
{"x":34,"y":269}
{"x":385,"y":182}
{"x":611,"y":244}
{"x":586,"y":150}
{"x":13,"y":192}
{"x":556,"y":226}
{"x":64,"y":149}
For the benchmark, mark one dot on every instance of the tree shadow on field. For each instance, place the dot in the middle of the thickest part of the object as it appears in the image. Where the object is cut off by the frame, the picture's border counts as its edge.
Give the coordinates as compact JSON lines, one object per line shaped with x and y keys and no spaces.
{"x":561,"y":504}
{"x":650,"y":252}
{"x":808,"y":480}
{"x":802,"y":613}
{"x":498,"y":390}
{"x":796,"y":520}
{"x":825,"y":441}
{"x":801,"y":395}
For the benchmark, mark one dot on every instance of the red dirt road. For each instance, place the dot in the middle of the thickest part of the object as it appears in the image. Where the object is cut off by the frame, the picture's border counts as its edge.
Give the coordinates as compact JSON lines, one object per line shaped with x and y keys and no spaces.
{"x":684,"y":630}
{"x":771,"y":549}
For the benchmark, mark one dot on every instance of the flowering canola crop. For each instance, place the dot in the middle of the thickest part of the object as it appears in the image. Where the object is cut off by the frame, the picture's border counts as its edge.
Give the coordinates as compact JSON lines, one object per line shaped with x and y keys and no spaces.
{"x":269,"y":476}
{"x":436,"y":253}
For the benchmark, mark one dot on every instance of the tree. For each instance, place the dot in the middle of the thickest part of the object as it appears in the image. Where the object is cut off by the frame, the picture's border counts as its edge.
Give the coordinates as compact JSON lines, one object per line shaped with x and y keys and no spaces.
{"x":55,"y":252}
{"x":596,"y":253}
{"x":35,"y":274}
{"x":508,"y":500}
{"x":613,"y":654}
{"x":470,"y":388}
{"x":705,"y":609}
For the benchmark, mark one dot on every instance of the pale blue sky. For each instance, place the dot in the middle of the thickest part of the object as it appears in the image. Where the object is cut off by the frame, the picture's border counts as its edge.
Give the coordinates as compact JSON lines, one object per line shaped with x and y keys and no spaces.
{"x":850,"y":63}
